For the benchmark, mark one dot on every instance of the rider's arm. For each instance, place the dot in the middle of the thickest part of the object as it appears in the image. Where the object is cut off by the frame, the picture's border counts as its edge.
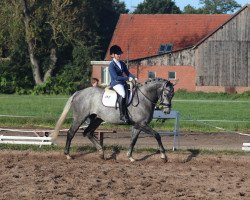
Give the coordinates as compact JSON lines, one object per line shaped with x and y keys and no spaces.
{"x":125,"y":68}
{"x":114,"y":75}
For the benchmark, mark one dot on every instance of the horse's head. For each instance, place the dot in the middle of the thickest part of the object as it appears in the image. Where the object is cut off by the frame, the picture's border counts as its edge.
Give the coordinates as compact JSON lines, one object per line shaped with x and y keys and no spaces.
{"x":158,"y":90}
{"x":166,"y":96}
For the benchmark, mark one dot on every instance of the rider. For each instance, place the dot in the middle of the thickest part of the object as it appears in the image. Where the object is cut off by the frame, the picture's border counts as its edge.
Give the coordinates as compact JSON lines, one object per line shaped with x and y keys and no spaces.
{"x":119,"y":74}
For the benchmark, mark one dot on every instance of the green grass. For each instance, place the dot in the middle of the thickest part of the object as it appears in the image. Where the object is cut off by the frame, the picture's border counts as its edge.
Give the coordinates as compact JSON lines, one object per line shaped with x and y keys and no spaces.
{"x":228,"y":111}
{"x":35,"y":106}
{"x":232,"y":115}
{"x":31,"y":111}
{"x":212,"y":95}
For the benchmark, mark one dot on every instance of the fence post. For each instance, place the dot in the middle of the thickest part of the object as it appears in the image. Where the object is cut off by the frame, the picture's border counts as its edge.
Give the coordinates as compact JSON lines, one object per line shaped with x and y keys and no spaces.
{"x":158,"y":114}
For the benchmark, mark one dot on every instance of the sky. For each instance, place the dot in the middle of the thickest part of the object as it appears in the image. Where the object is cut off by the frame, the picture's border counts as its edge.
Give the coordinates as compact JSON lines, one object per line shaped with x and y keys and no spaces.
{"x":131,"y":4}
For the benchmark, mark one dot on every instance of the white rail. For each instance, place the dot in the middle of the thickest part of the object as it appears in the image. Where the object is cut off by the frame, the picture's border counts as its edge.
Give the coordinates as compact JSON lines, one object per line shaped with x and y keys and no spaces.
{"x":33,"y":140}
{"x":246,"y":147}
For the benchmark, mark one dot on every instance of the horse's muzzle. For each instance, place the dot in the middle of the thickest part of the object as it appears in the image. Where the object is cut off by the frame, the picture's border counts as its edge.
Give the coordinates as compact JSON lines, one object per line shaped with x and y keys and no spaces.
{"x":167,"y":110}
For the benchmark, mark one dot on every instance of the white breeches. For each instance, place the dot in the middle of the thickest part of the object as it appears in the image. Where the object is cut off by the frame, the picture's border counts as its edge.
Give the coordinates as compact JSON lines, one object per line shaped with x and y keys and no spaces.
{"x":120,"y":90}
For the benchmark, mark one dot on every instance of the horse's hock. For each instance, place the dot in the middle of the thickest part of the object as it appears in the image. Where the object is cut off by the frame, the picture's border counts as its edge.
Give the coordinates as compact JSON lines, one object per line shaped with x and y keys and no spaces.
{"x":99,"y":133}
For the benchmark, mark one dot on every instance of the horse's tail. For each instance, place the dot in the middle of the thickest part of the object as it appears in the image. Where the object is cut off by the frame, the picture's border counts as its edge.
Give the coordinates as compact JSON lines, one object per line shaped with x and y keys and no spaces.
{"x":60,"y":121}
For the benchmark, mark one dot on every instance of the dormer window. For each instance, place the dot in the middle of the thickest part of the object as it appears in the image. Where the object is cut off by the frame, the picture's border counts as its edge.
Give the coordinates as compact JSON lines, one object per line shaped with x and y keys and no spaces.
{"x":165,"y":48}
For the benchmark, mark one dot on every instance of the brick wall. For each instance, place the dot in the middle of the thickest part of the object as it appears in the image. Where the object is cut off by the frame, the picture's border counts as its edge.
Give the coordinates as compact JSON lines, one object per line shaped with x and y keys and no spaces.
{"x":184,"y":74}
{"x":97,"y":72}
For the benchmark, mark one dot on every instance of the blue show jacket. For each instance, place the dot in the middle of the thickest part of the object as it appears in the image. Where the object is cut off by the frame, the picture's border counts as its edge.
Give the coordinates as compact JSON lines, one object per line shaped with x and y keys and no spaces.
{"x":116,"y":73}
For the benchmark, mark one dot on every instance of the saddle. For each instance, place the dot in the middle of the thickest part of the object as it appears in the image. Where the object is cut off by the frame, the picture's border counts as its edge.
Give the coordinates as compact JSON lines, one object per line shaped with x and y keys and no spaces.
{"x":110,"y":96}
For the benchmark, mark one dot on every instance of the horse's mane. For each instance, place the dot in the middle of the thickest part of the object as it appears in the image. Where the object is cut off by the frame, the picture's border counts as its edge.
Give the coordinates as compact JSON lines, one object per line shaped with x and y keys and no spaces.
{"x":155,"y":80}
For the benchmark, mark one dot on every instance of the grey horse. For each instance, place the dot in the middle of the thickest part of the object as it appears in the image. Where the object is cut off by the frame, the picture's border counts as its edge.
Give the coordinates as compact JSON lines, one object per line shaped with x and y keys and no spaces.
{"x":87,"y":103}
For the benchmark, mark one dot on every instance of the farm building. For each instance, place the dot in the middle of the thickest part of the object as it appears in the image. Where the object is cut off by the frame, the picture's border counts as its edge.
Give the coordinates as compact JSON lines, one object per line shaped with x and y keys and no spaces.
{"x":208,"y":53}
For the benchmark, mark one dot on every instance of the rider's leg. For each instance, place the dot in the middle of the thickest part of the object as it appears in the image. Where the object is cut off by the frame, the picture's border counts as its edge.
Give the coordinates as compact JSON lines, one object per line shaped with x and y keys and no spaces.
{"x":123,"y":109}
{"x":122,"y":102}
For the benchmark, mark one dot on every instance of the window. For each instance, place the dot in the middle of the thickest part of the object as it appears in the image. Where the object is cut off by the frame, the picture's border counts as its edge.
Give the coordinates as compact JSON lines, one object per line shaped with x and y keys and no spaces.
{"x":105,"y":76}
{"x":162,"y":48}
{"x":165,"y":48}
{"x":168,"y":47}
{"x":171,"y":75}
{"x":151,"y":75}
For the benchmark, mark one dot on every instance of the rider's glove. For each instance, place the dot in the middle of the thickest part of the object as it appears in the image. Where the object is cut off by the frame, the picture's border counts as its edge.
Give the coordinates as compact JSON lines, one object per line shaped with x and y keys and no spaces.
{"x":136,"y":79}
{"x":130,"y":79}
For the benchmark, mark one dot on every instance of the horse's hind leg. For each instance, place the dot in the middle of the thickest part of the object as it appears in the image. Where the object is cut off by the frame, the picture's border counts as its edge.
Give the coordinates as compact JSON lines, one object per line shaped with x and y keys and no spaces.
{"x":70,"y":134}
{"x":134,"y":137}
{"x":89,"y":132}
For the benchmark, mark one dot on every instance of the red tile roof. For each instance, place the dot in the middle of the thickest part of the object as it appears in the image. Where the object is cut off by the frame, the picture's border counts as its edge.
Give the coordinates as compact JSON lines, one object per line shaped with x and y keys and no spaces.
{"x":140,"y":35}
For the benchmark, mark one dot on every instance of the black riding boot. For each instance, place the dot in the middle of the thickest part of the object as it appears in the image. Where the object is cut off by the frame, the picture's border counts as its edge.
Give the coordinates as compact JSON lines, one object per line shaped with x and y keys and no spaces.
{"x":123,"y":109}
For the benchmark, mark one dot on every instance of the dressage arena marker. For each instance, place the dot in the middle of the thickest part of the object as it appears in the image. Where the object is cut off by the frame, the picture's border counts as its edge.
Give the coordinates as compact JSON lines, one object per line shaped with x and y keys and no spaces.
{"x":33,"y":140}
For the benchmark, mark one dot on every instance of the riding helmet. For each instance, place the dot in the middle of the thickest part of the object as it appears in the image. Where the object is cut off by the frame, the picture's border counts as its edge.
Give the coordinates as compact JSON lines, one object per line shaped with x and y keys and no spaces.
{"x":116,"y":50}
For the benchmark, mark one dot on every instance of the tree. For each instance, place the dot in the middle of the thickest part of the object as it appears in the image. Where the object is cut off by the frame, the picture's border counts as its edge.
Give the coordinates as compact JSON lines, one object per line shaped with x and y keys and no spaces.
{"x":214,"y":7}
{"x":61,"y":27}
{"x":191,"y":10}
{"x":43,"y":39}
{"x":103,"y":17}
{"x":157,"y":7}
{"x":15,"y":69}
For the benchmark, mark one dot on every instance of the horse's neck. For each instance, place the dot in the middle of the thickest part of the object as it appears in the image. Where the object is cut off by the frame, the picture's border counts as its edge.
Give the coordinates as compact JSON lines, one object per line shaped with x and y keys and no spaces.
{"x":150,"y":91}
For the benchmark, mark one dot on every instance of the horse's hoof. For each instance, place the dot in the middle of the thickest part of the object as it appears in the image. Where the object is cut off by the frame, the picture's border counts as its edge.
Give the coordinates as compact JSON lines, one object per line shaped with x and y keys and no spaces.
{"x":131,"y":159}
{"x":164,"y":158}
{"x":68,"y":157}
{"x":101,"y":154}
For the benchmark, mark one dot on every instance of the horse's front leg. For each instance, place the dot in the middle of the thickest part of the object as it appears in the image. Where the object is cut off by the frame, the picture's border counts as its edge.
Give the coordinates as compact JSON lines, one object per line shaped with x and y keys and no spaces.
{"x":134,"y":136}
{"x":157,"y":136}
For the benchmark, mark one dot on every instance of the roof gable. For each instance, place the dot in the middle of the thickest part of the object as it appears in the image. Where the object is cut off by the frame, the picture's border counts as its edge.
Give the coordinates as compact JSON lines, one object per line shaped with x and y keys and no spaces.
{"x":140,"y":35}
{"x":221,"y":26}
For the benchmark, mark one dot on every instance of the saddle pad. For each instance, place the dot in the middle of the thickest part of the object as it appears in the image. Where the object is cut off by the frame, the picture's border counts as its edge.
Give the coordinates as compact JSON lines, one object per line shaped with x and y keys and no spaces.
{"x":109,"y":98}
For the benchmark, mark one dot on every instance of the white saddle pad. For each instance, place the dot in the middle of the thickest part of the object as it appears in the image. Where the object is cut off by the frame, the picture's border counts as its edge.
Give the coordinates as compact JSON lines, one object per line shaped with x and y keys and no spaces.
{"x":109,"y":98}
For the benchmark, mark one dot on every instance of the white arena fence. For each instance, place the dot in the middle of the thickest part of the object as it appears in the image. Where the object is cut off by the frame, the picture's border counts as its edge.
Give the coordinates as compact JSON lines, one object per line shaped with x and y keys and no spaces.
{"x":246,"y":147}
{"x":36,"y":139}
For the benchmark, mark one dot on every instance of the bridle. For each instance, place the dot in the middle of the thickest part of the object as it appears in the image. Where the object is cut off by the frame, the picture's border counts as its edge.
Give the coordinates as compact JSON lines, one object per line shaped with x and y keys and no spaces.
{"x":169,"y":95}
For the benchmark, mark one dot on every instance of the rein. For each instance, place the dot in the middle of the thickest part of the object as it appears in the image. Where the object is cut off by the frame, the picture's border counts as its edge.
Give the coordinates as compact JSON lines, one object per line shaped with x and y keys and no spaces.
{"x":161,"y":99}
{"x":146,"y":96}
